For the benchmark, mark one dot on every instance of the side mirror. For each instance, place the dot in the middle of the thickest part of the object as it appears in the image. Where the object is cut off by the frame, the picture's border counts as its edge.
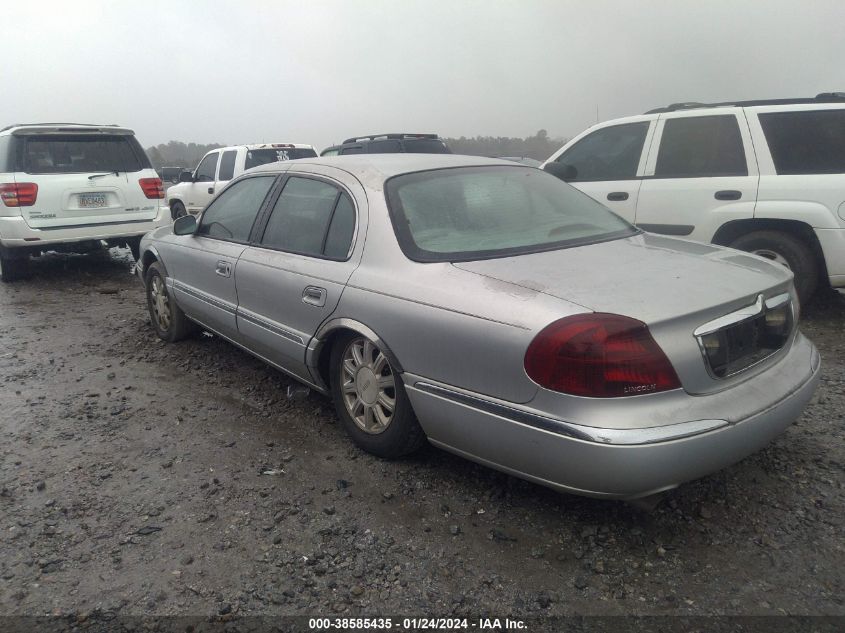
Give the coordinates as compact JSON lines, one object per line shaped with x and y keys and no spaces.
{"x":186,"y":225}
{"x":562,"y":170}
{"x":186,"y":176}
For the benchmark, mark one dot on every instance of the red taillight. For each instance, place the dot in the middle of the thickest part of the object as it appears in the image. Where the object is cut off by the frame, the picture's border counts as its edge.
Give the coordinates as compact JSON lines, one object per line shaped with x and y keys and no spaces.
{"x":600,"y":356}
{"x":21,"y":194}
{"x":152,"y":187}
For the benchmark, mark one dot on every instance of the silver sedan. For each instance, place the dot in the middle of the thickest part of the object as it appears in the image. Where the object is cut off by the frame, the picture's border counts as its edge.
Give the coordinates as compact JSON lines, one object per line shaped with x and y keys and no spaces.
{"x":495,"y":311}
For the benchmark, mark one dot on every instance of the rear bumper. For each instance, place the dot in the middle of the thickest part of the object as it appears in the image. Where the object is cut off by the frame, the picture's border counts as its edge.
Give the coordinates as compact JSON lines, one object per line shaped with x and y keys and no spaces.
{"x":15,"y":233}
{"x":623,"y":463}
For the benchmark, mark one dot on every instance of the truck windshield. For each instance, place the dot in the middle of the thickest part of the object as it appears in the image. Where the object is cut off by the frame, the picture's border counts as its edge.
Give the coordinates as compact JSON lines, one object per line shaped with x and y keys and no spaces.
{"x":256,"y":157}
{"x":471,"y":213}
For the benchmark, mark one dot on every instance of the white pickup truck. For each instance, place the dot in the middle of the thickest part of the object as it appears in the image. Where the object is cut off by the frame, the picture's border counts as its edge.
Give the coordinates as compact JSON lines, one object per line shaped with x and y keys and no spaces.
{"x":196,"y":189}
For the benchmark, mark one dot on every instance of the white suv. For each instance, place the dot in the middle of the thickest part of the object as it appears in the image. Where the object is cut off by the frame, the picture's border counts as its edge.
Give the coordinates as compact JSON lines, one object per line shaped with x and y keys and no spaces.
{"x":69,"y":187}
{"x":762,"y":176}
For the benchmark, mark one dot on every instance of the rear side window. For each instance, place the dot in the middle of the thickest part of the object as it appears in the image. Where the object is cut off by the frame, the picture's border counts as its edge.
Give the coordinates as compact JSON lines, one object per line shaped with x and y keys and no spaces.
{"x":426,"y":146}
{"x":69,"y":154}
{"x":610,"y":153}
{"x":227,"y":165}
{"x":256,"y":157}
{"x":311,"y":217}
{"x":810,"y":142}
{"x":231,"y":215}
{"x":389,"y":146}
{"x":693,"y":147}
{"x":355,"y":149}
{"x":207,"y":168}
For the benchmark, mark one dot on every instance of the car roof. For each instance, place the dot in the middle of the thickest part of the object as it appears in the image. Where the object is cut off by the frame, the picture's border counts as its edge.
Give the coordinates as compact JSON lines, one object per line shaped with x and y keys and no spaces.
{"x":373,"y":169}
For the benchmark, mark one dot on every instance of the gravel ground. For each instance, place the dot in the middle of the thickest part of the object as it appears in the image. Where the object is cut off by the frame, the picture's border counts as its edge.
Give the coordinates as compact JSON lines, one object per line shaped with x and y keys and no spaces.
{"x":144,"y":478}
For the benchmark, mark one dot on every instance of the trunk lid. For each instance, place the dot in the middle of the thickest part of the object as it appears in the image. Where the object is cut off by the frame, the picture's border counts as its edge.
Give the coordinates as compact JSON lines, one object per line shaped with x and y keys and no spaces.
{"x":674,"y":286}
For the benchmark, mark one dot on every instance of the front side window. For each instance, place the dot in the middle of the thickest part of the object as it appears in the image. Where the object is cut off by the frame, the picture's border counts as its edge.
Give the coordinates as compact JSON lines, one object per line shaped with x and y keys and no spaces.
{"x":694,"y":147}
{"x":473,"y":213}
{"x":207,"y":168}
{"x":227,"y":165}
{"x":610,"y":153}
{"x":63,"y":154}
{"x":806,"y":142}
{"x":311,"y":217}
{"x":231,"y":215}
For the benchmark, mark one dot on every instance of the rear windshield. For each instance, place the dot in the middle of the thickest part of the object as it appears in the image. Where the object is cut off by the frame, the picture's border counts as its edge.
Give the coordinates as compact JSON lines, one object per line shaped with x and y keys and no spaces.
{"x":256,"y":157}
{"x":425,"y":146}
{"x":484,"y":212}
{"x":68,"y":154}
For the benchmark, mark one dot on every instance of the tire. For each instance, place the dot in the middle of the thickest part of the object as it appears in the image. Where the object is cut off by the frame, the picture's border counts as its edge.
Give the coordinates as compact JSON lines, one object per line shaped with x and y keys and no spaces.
{"x":167,"y":318}
{"x":134,"y":245}
{"x":177,"y":210}
{"x":786,"y":249}
{"x":402,"y":433}
{"x":13,"y":268}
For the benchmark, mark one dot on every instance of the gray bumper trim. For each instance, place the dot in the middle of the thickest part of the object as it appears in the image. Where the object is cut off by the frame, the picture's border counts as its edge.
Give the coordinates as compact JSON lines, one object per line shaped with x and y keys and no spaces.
{"x":622,"y":437}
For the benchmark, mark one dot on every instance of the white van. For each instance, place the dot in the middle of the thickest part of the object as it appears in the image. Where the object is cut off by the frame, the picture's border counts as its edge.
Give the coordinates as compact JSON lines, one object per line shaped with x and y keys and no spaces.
{"x":69,"y":187}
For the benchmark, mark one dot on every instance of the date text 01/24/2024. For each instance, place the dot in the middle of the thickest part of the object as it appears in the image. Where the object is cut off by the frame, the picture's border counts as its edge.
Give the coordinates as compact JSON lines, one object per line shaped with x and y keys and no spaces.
{"x":416,"y":624}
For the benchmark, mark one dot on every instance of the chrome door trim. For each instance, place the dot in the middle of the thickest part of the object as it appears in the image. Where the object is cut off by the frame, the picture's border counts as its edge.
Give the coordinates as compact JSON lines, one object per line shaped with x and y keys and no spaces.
{"x":270,"y":326}
{"x":202,"y":296}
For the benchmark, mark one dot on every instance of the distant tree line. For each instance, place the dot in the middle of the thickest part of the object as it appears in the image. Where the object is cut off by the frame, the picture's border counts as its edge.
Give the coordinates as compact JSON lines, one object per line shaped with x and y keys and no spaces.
{"x":540,"y":146}
{"x":179,"y":154}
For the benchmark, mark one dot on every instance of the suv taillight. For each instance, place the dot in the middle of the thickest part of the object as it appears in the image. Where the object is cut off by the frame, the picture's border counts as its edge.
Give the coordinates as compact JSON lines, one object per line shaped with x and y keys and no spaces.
{"x":152,"y":187}
{"x":21,"y":194}
{"x":600,"y":356}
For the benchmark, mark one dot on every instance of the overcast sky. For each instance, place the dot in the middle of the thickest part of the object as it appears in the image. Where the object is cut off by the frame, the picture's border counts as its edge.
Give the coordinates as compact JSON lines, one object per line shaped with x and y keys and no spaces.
{"x":314,"y":71}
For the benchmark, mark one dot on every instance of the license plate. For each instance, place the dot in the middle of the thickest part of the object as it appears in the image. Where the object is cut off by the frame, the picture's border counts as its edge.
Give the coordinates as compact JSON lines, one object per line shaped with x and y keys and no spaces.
{"x":92,"y":200}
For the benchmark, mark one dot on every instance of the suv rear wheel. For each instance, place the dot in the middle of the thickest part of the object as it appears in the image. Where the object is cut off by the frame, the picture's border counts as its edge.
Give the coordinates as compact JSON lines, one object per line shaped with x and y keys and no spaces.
{"x":788,"y":251}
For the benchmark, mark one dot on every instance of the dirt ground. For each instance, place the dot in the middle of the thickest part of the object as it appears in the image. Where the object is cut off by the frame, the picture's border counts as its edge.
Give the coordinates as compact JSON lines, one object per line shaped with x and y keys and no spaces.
{"x":143,"y":478}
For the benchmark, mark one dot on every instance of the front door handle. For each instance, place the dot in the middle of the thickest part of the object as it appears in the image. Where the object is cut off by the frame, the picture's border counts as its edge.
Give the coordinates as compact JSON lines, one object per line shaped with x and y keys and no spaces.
{"x":315,"y":296}
{"x":728,"y":194}
{"x":224,"y":269}
{"x":617,"y":196}
{"x":211,"y":190}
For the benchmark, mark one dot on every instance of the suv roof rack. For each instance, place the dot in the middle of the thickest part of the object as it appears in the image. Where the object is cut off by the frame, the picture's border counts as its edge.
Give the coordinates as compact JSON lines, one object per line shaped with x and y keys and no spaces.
{"x":400,"y":135}
{"x":9,"y":127}
{"x":823,"y":97}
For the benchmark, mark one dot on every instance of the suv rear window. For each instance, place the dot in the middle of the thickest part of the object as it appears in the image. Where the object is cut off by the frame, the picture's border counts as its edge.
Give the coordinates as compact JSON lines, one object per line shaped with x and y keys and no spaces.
{"x":807,"y":142}
{"x":69,"y":154}
{"x":256,"y":157}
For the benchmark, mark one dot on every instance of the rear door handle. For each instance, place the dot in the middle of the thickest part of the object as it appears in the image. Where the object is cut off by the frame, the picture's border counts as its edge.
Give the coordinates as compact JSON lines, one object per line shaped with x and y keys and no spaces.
{"x":312,"y":295}
{"x":617,"y":196}
{"x":224,"y":269}
{"x":211,"y":190}
{"x":728,"y":194}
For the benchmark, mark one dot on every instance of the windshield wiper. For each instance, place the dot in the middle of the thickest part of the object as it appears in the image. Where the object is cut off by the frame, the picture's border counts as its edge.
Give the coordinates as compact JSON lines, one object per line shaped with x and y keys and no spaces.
{"x":92,"y":176}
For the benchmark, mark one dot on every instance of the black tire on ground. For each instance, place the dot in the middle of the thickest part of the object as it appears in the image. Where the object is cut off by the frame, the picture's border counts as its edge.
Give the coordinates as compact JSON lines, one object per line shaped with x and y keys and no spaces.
{"x":134,"y":245}
{"x":177,"y":210}
{"x":795,"y":251}
{"x":403,"y":434}
{"x":13,"y":268}
{"x":167,"y":318}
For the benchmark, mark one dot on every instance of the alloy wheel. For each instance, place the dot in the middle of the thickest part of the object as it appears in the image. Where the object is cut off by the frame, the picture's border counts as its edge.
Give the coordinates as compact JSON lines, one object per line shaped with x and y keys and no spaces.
{"x":773,"y":256}
{"x":160,"y":303}
{"x":368,"y":386}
